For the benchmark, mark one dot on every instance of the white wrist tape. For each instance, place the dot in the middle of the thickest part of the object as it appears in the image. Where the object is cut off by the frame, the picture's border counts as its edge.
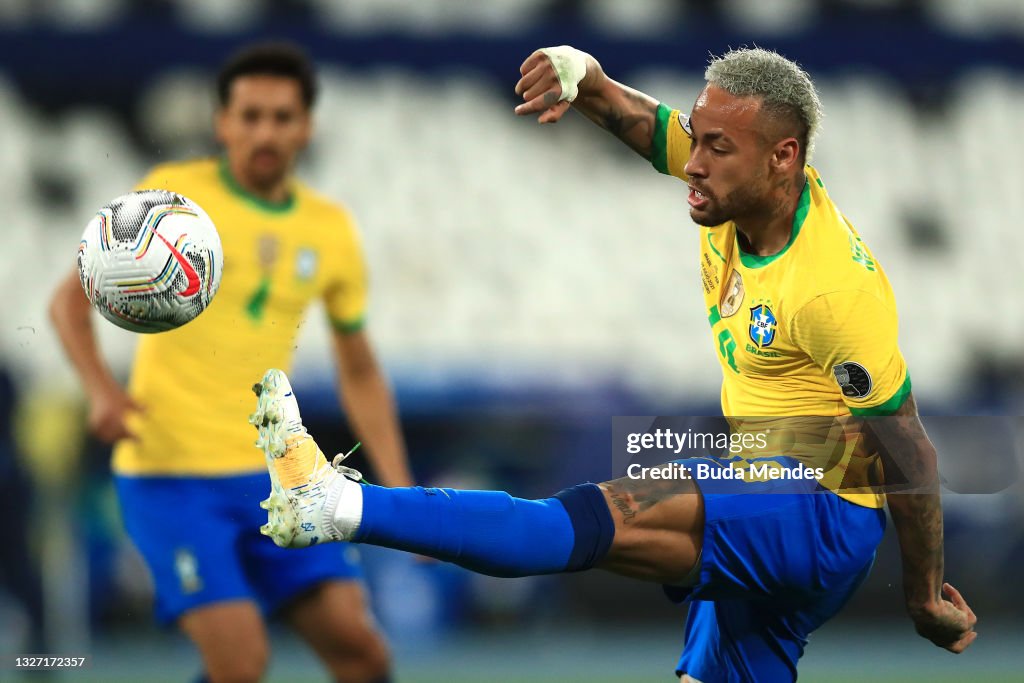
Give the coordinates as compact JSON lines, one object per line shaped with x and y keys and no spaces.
{"x":570,"y":65}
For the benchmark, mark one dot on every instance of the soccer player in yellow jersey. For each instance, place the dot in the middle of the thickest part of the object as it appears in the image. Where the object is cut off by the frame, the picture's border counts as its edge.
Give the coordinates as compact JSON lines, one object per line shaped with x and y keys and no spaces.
{"x":187,"y":471}
{"x":804,"y":324}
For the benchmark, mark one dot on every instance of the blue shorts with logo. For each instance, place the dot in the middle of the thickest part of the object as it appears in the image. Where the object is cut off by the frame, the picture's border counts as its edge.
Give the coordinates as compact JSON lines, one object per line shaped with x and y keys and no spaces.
{"x":779,"y":559}
{"x":200,"y":537}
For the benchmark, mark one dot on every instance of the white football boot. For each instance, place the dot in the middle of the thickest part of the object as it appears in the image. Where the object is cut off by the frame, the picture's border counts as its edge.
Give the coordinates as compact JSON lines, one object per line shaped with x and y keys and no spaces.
{"x":305,"y":487}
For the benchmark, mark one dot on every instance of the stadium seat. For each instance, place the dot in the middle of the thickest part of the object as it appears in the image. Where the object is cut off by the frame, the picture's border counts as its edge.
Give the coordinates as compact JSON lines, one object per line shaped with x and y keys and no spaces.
{"x":491,"y":237}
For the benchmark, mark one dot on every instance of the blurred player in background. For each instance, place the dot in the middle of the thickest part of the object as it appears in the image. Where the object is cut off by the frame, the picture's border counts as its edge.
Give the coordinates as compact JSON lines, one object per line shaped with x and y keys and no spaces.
{"x":804,"y":323}
{"x":187,"y":472}
{"x":20,"y":578}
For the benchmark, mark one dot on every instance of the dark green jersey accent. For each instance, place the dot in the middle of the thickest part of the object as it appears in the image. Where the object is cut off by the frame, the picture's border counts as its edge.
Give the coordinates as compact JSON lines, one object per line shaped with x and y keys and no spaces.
{"x":251,"y":199}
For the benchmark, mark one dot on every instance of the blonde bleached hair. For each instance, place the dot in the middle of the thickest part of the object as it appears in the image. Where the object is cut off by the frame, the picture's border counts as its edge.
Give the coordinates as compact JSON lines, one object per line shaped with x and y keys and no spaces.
{"x":785,"y":89}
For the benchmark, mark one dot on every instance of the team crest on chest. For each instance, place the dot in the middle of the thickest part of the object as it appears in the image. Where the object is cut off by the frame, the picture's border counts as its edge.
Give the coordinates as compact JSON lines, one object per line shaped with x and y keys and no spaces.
{"x":305,"y":263}
{"x":732,"y":295}
{"x":763,"y":325}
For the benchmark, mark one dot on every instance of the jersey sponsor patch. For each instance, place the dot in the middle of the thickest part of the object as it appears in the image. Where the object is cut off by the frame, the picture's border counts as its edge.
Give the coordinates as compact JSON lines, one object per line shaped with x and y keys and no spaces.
{"x":853,"y":378}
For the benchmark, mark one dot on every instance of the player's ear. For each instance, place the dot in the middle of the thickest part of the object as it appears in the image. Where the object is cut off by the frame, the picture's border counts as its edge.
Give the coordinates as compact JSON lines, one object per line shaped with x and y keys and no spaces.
{"x":307,"y":128}
{"x":785,"y":155}
{"x":220,"y":124}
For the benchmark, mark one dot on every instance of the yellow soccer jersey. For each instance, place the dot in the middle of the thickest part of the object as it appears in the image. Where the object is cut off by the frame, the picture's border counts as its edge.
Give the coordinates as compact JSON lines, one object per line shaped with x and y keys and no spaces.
{"x":194,"y":381}
{"x":810,"y":331}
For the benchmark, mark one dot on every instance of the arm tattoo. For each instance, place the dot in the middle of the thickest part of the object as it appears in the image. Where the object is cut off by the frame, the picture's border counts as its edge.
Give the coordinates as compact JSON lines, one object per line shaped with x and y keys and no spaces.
{"x":631,"y":127}
{"x":633,"y":496}
{"x":623,"y":506}
{"x":908,"y":454}
{"x":629,"y":116}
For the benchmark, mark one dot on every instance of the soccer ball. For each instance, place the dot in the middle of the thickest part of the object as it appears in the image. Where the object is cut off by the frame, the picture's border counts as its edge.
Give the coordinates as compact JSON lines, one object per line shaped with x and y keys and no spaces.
{"x":150,"y":261}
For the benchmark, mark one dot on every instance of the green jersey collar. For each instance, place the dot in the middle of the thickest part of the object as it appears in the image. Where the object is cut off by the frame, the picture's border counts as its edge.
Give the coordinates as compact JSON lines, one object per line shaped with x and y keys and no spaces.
{"x":252,"y":200}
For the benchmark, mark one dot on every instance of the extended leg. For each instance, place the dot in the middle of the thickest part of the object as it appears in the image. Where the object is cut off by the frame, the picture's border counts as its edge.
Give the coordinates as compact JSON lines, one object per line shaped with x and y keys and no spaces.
{"x":646,"y":529}
{"x":643,"y":529}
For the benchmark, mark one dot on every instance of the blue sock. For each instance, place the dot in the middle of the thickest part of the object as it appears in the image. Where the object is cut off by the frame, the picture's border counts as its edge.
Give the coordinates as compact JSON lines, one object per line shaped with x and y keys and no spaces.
{"x":490,"y":531}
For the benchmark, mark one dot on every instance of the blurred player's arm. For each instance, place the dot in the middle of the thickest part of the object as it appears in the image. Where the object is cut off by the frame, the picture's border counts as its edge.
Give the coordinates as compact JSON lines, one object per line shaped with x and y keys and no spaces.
{"x":367,"y":400}
{"x":365,"y":391}
{"x":939,"y":612}
{"x":109,"y":404}
{"x":546,"y":89}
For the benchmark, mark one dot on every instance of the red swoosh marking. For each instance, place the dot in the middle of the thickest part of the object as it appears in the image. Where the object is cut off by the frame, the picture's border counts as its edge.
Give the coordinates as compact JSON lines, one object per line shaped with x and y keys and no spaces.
{"x":190,"y":272}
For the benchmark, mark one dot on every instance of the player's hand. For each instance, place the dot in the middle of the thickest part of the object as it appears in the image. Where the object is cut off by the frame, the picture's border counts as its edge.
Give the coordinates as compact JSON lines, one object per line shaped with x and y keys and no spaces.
{"x":950,"y":624}
{"x":542,"y":90}
{"x":108,"y":414}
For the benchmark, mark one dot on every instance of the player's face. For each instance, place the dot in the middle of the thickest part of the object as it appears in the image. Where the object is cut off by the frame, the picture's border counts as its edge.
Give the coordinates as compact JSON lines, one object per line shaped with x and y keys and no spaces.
{"x":728,"y":168}
{"x":263,"y":127}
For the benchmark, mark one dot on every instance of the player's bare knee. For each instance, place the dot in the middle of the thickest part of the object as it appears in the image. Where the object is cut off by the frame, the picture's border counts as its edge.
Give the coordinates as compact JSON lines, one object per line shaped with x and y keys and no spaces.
{"x":376,"y":658}
{"x":242,"y":668}
{"x":659,"y":528}
{"x":231,"y":640}
{"x":374,"y":653}
{"x":361,"y":656}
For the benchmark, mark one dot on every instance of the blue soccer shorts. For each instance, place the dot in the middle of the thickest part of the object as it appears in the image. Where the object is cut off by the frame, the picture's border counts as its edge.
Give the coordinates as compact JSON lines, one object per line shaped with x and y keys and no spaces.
{"x":779,"y":559}
{"x":200,"y":537}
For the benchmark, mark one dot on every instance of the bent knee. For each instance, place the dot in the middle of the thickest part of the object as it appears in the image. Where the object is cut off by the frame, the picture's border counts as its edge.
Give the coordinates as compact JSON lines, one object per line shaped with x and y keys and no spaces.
{"x":239,"y":669}
{"x":659,"y":528}
{"x":360,"y":656}
{"x":231,"y":640}
{"x":374,"y":656}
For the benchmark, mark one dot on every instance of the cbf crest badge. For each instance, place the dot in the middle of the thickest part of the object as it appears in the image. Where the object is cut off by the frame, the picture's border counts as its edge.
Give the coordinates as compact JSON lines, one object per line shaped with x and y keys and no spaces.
{"x":732,"y":295}
{"x":305,"y":263}
{"x":762,"y":326}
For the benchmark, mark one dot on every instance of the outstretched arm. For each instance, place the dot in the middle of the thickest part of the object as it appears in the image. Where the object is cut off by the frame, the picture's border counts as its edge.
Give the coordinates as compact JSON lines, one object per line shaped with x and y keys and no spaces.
{"x":548,"y":77}
{"x":370,"y":407}
{"x":109,"y":404}
{"x":939,"y":612}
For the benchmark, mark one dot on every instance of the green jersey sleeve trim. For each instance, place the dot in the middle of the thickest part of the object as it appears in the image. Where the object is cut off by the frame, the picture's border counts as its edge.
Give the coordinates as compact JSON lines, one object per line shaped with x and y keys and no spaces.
{"x":252,"y":200}
{"x":889,"y":407}
{"x":802,"y":208}
{"x":659,"y":144}
{"x":350,"y":327}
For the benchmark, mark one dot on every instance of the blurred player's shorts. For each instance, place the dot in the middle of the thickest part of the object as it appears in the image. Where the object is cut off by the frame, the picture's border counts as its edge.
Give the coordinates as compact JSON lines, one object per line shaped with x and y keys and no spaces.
{"x":201,"y":541}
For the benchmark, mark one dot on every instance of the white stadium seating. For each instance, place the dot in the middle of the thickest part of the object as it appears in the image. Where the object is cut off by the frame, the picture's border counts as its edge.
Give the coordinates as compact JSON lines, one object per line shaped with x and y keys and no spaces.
{"x":502,"y":248}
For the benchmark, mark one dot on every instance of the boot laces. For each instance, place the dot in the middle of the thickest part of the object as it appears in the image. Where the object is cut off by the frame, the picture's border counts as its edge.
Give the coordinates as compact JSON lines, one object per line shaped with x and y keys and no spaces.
{"x":353,"y":474}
